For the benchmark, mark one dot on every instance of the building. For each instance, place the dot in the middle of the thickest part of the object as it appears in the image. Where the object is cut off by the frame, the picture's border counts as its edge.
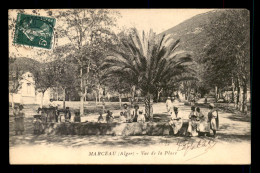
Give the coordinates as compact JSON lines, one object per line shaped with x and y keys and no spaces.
{"x":26,"y":93}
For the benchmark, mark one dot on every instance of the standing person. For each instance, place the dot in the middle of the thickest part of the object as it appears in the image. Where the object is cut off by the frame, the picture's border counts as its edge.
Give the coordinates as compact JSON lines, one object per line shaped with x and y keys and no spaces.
{"x":67,"y":114}
{"x":176,"y":121}
{"x":15,"y":112}
{"x":38,"y":126}
{"x":100,"y":118}
{"x":169,"y":105}
{"x":103,"y":104}
{"x":127,"y":113}
{"x":203,"y":126}
{"x":19,"y":121}
{"x":192,"y":124}
{"x":135,"y":113}
{"x":213,"y":119}
{"x":206,"y":99}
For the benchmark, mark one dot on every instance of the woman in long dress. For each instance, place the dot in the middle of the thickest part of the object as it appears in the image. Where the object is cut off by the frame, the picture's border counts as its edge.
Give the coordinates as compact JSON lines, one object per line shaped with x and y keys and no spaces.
{"x":19,"y":120}
{"x":193,"y":123}
{"x":176,"y":121}
{"x":203,"y":126}
{"x":213,"y":119}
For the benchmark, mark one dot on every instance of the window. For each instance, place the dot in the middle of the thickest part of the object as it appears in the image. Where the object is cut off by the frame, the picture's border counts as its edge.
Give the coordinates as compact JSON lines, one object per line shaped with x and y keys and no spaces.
{"x":28,"y":88}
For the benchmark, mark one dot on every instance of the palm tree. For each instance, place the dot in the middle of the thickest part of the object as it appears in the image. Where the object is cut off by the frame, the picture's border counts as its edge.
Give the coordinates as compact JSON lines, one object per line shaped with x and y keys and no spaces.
{"x":146,"y":62}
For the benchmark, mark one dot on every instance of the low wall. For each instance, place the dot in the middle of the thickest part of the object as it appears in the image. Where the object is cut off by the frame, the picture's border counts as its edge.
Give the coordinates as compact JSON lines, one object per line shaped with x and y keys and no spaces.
{"x":118,"y":129}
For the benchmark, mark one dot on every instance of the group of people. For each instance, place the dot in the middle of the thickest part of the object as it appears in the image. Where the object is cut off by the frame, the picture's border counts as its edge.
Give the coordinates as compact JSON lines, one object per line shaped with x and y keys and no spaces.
{"x":51,"y":114}
{"x":199,"y":124}
{"x":126,"y":115}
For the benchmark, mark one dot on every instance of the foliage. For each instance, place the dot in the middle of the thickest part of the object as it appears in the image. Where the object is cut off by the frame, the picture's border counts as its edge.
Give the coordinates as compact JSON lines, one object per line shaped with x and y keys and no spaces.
{"x":147,"y":62}
{"x":227,"y":54}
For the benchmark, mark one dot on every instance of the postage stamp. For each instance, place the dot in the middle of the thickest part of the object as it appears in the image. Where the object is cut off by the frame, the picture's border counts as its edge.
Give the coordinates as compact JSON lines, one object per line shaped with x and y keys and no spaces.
{"x":34,"y":31}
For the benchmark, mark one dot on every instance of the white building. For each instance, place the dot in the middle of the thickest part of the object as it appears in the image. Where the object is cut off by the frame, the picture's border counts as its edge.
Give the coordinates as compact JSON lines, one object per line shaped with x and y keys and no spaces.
{"x":27,"y":94}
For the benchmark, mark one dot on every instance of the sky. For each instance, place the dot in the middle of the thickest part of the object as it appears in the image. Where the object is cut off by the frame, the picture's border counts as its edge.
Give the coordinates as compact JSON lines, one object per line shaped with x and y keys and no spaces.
{"x":158,"y":20}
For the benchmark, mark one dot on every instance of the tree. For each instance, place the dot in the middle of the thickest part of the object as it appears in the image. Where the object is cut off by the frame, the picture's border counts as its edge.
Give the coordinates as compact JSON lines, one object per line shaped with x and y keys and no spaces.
{"x":116,"y":84}
{"x":80,"y":26}
{"x":14,"y":78}
{"x":44,"y":78}
{"x":228,"y":53}
{"x":64,"y":75}
{"x":146,"y":62}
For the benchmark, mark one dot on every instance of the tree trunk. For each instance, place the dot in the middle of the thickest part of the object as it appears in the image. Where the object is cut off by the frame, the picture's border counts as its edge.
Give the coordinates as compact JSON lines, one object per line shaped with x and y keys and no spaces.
{"x":12,"y":100}
{"x":158,"y":97}
{"x":99,"y":97}
{"x":85,"y":95}
{"x":148,"y":107}
{"x":81,"y":94}
{"x":216,"y":93}
{"x":96,"y":99}
{"x":244,"y":102}
{"x":64,"y":97}
{"x":57,"y":90}
{"x":42,"y":99}
{"x":120,"y":100}
{"x":233,"y":91}
{"x":238,"y":97}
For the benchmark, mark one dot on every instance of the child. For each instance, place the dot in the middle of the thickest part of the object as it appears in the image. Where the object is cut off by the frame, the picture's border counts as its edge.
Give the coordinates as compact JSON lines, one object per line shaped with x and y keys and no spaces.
{"x":109,"y":117}
{"x":77,"y":117}
{"x":100,"y":118}
{"x":141,"y":117}
{"x":122,"y":118}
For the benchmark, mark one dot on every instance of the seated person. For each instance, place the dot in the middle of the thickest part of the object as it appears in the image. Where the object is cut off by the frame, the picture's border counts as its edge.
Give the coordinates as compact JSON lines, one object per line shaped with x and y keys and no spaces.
{"x":38,"y":126}
{"x":109,"y":117}
{"x":141,"y":117}
{"x":77,"y":117}
{"x":100,"y":118}
{"x":176,"y":121}
{"x":122,"y":118}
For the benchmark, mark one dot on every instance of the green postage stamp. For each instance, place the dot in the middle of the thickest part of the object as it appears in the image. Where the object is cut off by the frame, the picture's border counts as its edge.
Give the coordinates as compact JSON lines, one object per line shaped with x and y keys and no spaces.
{"x":34,"y":31}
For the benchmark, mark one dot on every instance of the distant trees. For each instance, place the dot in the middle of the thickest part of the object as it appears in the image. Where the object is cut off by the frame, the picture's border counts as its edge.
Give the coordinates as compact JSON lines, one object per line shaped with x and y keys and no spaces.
{"x":227,"y":59}
{"x":146,"y":62}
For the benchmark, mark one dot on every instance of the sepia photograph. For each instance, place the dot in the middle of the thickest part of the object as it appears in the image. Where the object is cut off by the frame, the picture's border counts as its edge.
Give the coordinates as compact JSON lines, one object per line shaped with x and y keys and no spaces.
{"x":129,"y":86}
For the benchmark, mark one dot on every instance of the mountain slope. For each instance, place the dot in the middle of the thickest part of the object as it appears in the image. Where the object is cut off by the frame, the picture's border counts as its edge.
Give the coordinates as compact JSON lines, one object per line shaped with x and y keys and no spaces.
{"x":192,"y":34}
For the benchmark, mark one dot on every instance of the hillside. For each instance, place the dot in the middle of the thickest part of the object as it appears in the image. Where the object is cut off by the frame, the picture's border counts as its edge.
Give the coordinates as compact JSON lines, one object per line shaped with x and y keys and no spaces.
{"x":192,"y":34}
